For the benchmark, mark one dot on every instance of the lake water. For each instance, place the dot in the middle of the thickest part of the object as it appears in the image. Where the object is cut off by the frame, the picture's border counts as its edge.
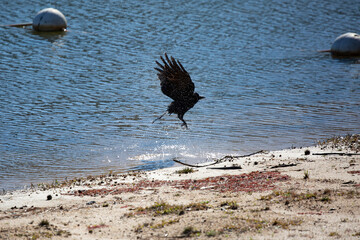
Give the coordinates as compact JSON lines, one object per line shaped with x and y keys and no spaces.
{"x":82,"y":102}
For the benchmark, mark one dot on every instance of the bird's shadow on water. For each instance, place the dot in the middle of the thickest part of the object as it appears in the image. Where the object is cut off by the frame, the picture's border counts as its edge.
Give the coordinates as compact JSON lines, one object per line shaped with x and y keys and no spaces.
{"x":153,"y":165}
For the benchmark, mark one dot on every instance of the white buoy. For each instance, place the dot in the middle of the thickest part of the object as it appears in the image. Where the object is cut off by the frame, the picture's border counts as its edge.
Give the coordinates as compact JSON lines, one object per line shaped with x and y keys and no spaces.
{"x":345,"y":45}
{"x":49,"y":19}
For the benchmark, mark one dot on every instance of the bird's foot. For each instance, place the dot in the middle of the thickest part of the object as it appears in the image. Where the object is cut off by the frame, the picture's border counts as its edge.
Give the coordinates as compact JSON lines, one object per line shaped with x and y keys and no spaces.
{"x":184,"y":125}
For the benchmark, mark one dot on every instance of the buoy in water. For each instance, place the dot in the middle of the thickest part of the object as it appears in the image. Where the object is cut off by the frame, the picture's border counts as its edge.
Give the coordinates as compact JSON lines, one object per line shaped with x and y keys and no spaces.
{"x":48,"y":20}
{"x":346,"y":45}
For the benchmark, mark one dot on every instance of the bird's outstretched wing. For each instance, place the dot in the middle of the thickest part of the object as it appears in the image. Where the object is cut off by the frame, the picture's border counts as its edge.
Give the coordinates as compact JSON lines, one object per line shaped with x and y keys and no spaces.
{"x":175,"y":81}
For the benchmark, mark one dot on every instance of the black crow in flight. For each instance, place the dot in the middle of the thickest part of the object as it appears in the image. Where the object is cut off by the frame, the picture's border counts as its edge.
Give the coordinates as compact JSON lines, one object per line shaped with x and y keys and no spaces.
{"x":176,"y":83}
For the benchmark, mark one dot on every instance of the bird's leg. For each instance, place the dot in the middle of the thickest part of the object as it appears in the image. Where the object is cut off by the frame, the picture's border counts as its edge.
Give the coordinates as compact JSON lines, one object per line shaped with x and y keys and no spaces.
{"x":160,"y":116}
{"x":184,"y":123}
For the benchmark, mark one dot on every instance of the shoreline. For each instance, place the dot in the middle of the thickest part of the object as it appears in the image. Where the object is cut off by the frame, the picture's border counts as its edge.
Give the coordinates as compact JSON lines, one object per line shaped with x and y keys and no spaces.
{"x":300,"y":193}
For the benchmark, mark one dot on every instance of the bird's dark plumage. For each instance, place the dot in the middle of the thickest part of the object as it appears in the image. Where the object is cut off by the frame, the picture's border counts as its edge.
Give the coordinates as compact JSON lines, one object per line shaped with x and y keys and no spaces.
{"x":176,"y":83}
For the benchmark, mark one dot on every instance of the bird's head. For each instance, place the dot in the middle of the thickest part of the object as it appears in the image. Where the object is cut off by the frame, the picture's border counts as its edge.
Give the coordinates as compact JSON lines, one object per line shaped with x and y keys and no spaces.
{"x":198,"y":97}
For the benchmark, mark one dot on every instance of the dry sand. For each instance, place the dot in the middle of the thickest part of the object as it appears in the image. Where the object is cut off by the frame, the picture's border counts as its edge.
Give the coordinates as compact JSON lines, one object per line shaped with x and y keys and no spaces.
{"x":287,"y":194}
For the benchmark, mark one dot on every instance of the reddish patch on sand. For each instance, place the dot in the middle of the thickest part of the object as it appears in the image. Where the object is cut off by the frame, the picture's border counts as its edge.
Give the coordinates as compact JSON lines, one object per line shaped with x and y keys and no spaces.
{"x":354,"y":172}
{"x":310,"y":213}
{"x":92,"y":227}
{"x":247,"y":182}
{"x":251,"y":182}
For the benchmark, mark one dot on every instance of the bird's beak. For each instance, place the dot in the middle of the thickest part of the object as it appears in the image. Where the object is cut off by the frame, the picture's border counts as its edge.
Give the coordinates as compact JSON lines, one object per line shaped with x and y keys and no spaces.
{"x":201,"y":97}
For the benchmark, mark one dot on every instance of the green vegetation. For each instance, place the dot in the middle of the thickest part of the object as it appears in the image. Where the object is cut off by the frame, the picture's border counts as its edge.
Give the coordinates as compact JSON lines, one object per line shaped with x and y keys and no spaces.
{"x":244,"y":225}
{"x":163,"y":208}
{"x":211,"y":233}
{"x":292,"y":196}
{"x":190,"y":231}
{"x":185,"y":171}
{"x":334,"y":234}
{"x":230,"y":205}
{"x":285,"y":223}
{"x":44,"y":223}
{"x":306,"y":175}
{"x":165,"y":223}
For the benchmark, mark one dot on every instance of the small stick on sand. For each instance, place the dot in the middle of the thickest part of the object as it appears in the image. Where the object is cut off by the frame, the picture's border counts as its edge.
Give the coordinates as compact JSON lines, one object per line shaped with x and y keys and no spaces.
{"x":219,"y":160}
{"x":337,"y":153}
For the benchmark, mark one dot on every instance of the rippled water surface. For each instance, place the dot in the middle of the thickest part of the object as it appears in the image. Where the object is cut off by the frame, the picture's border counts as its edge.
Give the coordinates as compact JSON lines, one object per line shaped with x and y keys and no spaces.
{"x":82,"y":102}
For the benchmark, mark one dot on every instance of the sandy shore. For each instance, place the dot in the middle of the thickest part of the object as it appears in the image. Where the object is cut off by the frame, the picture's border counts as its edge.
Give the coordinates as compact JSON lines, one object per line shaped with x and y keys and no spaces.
{"x":302,"y":193}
